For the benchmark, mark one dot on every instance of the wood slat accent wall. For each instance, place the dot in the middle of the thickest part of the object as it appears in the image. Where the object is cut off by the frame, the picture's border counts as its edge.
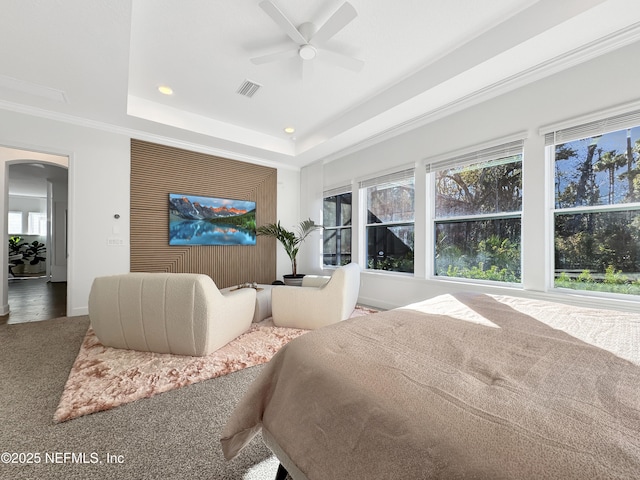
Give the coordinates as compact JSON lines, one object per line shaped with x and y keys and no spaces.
{"x":157,"y":171}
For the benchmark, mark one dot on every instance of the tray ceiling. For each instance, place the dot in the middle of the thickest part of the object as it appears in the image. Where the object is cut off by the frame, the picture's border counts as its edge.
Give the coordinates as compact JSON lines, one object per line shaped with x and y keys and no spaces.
{"x":100,"y":63}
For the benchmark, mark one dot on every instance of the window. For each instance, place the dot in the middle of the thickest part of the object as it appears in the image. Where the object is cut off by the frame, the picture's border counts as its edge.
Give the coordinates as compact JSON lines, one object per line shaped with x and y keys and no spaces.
{"x":37,"y":223}
{"x":390,"y":221}
{"x":15,"y":223}
{"x":477,"y":214}
{"x":336,"y":219}
{"x":596,"y":217}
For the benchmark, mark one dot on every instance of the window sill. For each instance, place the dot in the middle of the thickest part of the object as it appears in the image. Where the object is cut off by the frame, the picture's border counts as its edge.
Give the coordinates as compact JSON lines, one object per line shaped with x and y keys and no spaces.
{"x":452,"y":285}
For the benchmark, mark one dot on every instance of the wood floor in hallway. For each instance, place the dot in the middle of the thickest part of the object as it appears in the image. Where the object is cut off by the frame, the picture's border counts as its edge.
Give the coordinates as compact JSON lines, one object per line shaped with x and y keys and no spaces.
{"x":35,"y":299}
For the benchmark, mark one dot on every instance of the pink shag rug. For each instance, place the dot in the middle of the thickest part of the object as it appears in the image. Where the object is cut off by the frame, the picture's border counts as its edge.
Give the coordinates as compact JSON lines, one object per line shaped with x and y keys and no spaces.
{"x":102,"y":377}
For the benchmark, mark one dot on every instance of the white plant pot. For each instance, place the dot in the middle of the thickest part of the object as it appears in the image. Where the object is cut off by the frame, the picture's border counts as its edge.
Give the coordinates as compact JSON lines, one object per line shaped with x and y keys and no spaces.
{"x":32,"y":269}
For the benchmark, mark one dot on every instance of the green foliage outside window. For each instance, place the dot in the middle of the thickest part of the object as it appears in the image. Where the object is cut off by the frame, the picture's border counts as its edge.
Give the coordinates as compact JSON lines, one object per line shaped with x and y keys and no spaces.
{"x":478,"y":226}
{"x":613,"y":281}
{"x":597,"y":216}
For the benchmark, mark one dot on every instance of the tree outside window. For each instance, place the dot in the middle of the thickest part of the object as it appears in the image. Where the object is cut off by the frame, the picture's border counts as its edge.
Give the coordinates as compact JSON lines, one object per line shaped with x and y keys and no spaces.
{"x":597,"y":213}
{"x":478,"y":209}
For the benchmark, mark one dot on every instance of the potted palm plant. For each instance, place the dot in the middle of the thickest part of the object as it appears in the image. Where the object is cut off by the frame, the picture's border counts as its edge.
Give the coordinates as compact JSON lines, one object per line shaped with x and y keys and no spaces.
{"x":291,"y":241}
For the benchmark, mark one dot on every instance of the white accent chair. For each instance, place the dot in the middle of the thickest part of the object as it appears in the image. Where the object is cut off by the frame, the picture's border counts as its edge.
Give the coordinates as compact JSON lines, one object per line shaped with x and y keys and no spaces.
{"x":319,"y":301}
{"x":178,"y":313}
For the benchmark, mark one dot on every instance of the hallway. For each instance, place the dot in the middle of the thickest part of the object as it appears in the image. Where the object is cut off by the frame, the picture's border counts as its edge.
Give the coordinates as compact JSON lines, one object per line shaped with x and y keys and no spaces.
{"x":35,"y":299}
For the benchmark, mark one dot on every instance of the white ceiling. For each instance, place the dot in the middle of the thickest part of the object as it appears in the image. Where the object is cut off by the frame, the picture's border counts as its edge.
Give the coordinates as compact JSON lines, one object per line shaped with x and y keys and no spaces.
{"x":30,"y":172}
{"x":30,"y":179}
{"x":99,"y":62}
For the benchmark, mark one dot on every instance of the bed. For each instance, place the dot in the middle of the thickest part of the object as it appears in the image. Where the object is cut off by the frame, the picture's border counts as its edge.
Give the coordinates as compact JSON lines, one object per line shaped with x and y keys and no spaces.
{"x":460,"y":386}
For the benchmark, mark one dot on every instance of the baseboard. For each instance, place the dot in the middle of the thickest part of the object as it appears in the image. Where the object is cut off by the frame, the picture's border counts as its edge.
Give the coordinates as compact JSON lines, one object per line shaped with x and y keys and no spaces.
{"x":76,"y":312}
{"x":4,"y":309}
{"x":376,"y":303}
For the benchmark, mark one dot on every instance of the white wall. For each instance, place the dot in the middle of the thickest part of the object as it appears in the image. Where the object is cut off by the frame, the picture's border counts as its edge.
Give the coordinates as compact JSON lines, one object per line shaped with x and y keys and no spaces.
{"x":310,"y":253}
{"x":27,"y":204}
{"x":98,"y":188}
{"x":99,"y":168}
{"x":600,"y":84}
{"x":288,"y":206}
{"x":99,"y":176}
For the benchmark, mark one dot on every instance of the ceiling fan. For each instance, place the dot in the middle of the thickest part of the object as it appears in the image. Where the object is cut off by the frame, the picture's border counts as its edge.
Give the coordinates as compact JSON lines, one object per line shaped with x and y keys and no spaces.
{"x":310,"y":40}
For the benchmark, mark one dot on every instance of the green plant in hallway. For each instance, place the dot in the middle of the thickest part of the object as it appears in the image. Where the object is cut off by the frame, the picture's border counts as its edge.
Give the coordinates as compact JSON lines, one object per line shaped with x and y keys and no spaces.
{"x":18,"y":255}
{"x":14,"y":245}
{"x":35,"y":252}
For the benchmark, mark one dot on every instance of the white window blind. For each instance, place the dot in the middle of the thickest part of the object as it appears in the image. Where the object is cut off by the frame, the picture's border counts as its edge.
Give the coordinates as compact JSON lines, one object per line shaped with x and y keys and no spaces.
{"x":337,"y":191}
{"x":487,"y":157}
{"x":593,"y":129}
{"x":389,"y":180}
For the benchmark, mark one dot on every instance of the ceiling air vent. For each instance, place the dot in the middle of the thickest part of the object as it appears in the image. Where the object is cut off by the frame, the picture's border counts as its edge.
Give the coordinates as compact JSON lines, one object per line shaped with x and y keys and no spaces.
{"x":248,"y":88}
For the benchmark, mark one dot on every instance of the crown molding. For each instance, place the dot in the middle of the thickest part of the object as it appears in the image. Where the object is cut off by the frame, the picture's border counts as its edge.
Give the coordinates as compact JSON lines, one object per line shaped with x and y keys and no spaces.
{"x":557,"y":64}
{"x":140,"y":135}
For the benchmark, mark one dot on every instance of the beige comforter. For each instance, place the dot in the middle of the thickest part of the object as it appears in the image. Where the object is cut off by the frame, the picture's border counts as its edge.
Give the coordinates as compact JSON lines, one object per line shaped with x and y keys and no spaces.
{"x":405,"y":394}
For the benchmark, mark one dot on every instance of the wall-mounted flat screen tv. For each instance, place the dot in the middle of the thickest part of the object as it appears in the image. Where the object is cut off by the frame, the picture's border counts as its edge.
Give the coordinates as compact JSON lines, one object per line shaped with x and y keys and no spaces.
{"x":195,"y":220}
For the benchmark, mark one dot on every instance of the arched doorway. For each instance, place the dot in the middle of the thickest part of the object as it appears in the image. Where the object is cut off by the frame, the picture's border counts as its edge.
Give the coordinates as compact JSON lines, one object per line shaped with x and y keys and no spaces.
{"x":36,"y":194}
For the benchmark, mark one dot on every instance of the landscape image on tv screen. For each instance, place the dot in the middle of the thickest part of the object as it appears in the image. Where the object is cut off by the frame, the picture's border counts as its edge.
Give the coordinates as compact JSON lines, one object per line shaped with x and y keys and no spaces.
{"x":195,"y":220}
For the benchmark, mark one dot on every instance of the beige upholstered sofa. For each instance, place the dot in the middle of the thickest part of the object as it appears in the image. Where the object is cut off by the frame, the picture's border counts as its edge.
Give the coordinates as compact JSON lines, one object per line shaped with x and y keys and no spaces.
{"x":319,"y":301}
{"x":179,"y":313}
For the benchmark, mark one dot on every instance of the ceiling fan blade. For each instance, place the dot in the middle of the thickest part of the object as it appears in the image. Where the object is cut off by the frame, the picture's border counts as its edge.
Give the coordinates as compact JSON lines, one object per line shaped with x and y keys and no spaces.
{"x":282,"y":21}
{"x":341,"y":60}
{"x":273,"y":57}
{"x":340,"y":19}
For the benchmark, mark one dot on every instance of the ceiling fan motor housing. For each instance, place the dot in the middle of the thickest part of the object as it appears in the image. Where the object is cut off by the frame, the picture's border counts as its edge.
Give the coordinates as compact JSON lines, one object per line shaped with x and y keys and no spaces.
{"x":307,"y":52}
{"x":307,"y":30}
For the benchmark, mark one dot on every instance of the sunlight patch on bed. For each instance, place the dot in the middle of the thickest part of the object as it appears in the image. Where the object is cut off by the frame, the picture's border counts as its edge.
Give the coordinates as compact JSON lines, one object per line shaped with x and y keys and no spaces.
{"x":449,"y":305}
{"x":614,"y":331}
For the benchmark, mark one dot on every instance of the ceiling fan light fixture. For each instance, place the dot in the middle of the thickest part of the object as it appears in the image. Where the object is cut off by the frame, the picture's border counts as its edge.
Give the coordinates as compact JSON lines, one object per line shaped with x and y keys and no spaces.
{"x":310,"y":40}
{"x":307,"y":52}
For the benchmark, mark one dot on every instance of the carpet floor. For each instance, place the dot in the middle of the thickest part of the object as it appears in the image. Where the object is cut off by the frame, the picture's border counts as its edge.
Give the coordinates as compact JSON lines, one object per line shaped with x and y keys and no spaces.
{"x":103,"y":378}
{"x":170,"y":436}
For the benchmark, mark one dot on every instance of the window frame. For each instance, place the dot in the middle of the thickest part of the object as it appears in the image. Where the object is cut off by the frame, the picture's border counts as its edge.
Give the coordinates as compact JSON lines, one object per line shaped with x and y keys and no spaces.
{"x":39,"y":218}
{"x":398,"y":174}
{"x":336,"y":192}
{"x":485,"y":153}
{"x":569,"y":132}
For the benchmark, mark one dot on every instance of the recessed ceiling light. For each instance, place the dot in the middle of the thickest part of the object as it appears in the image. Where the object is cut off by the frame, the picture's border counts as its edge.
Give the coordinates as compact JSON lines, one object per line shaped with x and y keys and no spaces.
{"x":165,"y":90}
{"x":289,"y":130}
